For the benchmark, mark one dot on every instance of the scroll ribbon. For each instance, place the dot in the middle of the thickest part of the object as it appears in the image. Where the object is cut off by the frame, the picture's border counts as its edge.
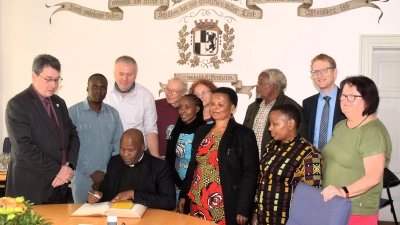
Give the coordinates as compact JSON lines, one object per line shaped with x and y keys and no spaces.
{"x":251,"y":11}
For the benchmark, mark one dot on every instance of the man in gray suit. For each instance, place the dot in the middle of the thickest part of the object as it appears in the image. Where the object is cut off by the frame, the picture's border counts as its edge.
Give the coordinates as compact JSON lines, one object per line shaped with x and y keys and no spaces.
{"x":44,"y":142}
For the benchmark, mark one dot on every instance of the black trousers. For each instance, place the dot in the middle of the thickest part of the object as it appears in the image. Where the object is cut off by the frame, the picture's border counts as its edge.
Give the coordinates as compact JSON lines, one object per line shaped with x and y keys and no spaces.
{"x":59,"y":195}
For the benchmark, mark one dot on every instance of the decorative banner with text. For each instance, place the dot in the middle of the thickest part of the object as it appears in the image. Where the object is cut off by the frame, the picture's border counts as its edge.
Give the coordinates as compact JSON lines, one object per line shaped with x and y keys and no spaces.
{"x":251,"y":11}
{"x":232,"y":78}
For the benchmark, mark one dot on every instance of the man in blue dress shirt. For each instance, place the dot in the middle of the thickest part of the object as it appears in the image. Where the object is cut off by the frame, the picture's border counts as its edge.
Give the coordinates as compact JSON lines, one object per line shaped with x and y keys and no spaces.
{"x":99,"y":128}
{"x":323,"y":72}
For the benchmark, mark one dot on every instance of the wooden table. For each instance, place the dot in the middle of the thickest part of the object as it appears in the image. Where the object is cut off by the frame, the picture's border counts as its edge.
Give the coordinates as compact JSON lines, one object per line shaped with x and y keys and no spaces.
{"x":59,"y":215}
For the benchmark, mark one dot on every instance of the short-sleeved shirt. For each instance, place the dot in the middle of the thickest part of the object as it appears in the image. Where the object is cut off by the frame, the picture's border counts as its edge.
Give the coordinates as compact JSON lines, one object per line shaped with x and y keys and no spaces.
{"x":344,"y":165}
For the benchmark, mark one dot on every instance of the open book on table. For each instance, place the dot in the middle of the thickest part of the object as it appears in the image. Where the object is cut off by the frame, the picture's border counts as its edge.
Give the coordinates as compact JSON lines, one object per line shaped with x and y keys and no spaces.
{"x":126,"y":209}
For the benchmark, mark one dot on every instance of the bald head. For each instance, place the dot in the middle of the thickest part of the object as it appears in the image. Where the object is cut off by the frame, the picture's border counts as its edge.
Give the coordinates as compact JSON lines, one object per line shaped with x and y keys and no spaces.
{"x":134,"y":134}
{"x":131,"y":146}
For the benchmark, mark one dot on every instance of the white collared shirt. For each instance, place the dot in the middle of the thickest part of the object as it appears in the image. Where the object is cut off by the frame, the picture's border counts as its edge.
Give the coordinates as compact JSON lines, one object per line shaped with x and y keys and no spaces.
{"x":133,"y":165}
{"x":137,"y":109}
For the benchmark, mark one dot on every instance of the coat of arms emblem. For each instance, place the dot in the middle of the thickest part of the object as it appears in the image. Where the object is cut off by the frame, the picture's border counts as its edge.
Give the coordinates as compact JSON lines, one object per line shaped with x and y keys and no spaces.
{"x":207,"y":39}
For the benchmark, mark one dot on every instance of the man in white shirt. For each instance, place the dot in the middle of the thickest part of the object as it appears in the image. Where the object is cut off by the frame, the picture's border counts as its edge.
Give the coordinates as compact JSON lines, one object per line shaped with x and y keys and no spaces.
{"x":134,"y":102}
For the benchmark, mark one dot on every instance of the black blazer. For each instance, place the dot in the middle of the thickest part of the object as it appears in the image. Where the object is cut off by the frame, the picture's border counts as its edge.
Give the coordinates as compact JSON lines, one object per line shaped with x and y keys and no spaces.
{"x":36,"y":150}
{"x":157,"y":188}
{"x":238,"y":168}
{"x":310,"y":112}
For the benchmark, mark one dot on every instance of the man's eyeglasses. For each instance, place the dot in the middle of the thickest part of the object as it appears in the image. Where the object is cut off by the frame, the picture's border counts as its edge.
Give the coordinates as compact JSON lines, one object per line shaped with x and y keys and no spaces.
{"x":350,"y":98}
{"x":322,"y":71}
{"x":174,"y":92}
{"x":49,"y":80}
{"x":201,"y":93}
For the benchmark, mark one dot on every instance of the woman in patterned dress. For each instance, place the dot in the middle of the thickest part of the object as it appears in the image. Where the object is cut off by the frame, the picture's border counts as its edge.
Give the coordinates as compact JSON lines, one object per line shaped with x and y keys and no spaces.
{"x":288,"y":160}
{"x":222,"y":174}
{"x":180,"y":136}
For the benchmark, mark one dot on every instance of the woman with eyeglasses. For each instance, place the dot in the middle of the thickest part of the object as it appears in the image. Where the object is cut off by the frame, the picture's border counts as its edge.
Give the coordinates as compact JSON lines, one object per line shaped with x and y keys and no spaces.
{"x":180,"y":136}
{"x":358,"y":152}
{"x":203,"y":89}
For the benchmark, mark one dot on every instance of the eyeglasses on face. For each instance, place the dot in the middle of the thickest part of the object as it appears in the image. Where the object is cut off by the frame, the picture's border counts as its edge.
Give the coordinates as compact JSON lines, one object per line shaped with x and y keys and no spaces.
{"x":174,"y":92}
{"x":322,"y":71}
{"x":350,"y":98}
{"x":49,"y":80}
{"x":201,"y":93}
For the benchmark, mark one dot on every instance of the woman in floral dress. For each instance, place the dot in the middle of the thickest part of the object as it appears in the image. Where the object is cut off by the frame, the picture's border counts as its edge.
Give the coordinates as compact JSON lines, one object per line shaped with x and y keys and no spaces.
{"x":222,"y":174}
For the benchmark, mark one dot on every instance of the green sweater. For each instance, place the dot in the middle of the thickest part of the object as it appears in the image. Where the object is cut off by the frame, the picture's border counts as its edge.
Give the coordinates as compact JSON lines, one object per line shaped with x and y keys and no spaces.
{"x":344,"y":165}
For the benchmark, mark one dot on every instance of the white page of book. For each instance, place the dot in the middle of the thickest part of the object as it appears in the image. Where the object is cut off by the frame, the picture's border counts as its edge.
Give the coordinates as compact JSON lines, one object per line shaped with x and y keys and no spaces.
{"x":92,"y":209}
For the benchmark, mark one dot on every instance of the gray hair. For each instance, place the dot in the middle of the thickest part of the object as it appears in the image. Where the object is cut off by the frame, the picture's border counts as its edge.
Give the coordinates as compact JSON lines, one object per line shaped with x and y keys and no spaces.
{"x":44,"y":60}
{"x":276,"y":77}
{"x":127,"y":60}
{"x":183,"y":81}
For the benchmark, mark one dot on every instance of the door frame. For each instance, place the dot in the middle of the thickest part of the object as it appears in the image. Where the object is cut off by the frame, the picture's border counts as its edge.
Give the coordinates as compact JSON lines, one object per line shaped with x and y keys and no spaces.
{"x":369,"y":42}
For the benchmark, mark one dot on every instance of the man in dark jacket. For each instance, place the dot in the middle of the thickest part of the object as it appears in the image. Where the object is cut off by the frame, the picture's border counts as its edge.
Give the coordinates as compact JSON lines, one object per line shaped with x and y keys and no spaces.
{"x":270,"y":85}
{"x":137,"y":176}
{"x":323,"y":72}
{"x":44,"y":141}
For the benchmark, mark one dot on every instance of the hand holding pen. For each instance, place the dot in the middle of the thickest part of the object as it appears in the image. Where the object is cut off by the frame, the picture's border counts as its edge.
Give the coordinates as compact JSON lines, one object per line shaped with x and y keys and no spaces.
{"x":94,"y":196}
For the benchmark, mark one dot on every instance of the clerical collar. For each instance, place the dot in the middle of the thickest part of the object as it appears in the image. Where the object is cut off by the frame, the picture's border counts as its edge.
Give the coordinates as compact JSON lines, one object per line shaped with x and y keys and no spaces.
{"x":137,"y":161}
{"x":124,"y":92}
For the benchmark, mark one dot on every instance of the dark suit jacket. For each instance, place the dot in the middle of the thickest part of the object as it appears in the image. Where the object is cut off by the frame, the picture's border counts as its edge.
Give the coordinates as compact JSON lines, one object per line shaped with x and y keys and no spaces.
{"x":36,"y":150}
{"x":310,"y":112}
{"x":157,"y":188}
{"x":252,"y":111}
{"x":238,"y":168}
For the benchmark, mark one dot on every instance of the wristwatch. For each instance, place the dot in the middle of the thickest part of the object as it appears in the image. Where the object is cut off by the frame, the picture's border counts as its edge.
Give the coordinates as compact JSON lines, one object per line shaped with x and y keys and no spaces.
{"x":70,"y":165}
{"x":346,"y":192}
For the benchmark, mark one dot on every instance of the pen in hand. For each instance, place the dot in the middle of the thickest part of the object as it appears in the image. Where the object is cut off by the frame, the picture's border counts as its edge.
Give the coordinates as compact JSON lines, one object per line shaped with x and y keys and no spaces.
{"x":95,"y":195}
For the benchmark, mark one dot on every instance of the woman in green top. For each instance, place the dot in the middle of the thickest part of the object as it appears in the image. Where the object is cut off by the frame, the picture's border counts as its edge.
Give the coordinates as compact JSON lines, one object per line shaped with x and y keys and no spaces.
{"x":358,"y":151}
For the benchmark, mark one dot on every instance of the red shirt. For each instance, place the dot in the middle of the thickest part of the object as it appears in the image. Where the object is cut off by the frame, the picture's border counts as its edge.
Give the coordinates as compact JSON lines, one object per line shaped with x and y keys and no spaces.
{"x":166,"y":115}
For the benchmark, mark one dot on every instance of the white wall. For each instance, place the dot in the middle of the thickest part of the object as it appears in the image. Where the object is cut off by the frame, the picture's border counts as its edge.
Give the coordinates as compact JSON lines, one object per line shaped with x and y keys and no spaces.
{"x":2,"y":124}
{"x":85,"y":46}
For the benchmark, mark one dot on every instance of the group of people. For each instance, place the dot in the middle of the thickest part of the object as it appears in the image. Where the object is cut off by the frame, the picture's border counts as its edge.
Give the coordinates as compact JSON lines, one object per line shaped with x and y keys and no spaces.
{"x":214,"y":168}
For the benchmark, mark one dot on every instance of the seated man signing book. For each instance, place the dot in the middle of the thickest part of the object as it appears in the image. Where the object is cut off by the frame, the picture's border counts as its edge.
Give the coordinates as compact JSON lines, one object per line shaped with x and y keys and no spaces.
{"x":137,"y":176}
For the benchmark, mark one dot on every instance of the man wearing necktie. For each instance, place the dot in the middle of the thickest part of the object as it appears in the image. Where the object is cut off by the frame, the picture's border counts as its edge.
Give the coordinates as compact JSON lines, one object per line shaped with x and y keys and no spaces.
{"x":44,"y":142}
{"x":322,"y":111}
